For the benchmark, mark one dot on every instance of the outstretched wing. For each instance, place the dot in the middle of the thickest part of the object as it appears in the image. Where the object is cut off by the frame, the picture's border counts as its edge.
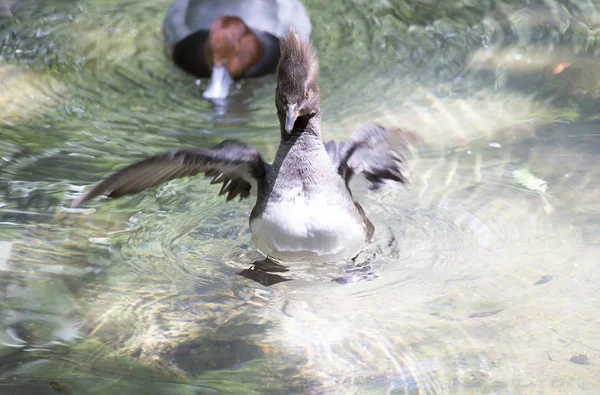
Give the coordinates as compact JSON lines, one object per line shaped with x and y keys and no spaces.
{"x":233,"y":163}
{"x":373,"y":151}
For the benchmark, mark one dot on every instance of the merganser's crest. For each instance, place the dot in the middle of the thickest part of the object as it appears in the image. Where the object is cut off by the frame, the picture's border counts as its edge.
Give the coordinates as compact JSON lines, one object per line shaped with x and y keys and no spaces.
{"x":298,"y":65}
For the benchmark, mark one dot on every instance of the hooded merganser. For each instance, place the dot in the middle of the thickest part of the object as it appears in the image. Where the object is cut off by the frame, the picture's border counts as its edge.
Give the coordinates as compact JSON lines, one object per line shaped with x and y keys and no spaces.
{"x":304,"y":209}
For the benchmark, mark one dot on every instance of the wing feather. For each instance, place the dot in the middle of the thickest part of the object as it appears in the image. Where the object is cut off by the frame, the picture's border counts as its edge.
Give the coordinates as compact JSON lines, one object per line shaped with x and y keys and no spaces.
{"x":238,"y":166}
{"x":372,"y":151}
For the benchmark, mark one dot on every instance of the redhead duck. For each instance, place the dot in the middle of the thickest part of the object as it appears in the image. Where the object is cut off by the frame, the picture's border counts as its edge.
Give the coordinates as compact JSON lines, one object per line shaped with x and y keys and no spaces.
{"x":230,"y":39}
{"x":304,"y":209}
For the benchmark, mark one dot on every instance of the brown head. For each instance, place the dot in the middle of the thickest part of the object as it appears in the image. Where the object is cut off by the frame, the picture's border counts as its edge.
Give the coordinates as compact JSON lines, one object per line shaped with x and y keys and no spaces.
{"x":231,"y":50}
{"x":297,"y":94}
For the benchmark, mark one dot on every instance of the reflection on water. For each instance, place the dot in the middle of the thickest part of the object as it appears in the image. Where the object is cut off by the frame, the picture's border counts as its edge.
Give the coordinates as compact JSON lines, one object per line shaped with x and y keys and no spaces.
{"x":483,"y":277}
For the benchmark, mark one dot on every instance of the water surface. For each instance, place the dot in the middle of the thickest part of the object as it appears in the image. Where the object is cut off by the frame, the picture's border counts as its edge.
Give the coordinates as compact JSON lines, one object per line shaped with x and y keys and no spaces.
{"x":486,"y":265}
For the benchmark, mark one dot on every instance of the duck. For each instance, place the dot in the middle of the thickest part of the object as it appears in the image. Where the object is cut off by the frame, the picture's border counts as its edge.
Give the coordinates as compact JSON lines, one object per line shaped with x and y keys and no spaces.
{"x":228,"y":40}
{"x":304,"y":209}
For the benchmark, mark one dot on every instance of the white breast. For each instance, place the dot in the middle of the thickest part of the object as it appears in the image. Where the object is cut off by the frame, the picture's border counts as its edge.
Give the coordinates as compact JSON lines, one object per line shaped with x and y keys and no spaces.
{"x":297,"y":229}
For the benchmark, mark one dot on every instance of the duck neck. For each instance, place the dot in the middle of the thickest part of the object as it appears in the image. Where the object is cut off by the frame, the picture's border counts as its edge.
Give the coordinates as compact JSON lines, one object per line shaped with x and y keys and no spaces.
{"x":299,"y":154}
{"x":306,"y":127}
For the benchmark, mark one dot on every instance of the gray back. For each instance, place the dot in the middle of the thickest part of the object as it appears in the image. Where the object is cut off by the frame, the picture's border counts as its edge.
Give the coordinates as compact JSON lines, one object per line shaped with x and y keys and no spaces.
{"x":185,"y":17}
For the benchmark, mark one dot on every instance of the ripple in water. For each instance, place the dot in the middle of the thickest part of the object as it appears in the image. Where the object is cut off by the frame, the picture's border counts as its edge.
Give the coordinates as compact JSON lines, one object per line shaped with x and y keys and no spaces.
{"x":485,"y":267}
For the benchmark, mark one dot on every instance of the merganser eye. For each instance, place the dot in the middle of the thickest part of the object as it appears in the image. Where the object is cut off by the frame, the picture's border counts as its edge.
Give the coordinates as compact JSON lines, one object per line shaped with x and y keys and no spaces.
{"x":306,"y":95}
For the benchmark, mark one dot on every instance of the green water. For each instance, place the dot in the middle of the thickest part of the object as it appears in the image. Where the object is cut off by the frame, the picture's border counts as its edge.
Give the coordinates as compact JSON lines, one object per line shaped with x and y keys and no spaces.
{"x":487,"y":264}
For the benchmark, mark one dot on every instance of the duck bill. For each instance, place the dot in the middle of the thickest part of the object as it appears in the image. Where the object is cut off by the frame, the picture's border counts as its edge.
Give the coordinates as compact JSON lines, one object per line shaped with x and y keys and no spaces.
{"x":220,"y":82}
{"x":291,"y":116}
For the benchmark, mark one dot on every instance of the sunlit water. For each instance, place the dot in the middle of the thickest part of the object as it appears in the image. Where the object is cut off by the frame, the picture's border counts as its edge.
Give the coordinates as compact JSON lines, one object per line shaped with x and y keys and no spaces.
{"x":485,"y":268}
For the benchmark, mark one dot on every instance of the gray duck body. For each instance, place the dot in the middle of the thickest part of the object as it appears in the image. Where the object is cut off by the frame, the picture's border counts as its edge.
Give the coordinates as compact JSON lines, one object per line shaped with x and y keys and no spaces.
{"x":275,"y":17}
{"x":305,"y":211}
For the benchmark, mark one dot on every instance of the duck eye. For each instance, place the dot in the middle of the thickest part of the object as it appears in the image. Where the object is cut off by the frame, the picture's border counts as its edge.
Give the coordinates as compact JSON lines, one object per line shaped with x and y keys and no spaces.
{"x":280,"y":98}
{"x":306,"y":95}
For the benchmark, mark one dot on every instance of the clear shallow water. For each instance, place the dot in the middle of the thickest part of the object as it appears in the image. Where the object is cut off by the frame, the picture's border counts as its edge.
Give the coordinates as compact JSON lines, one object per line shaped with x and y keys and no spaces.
{"x":487,"y":265}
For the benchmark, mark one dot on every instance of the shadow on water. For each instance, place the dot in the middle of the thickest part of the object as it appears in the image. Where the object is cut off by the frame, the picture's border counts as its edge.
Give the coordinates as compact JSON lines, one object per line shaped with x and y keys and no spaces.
{"x":485,"y":268}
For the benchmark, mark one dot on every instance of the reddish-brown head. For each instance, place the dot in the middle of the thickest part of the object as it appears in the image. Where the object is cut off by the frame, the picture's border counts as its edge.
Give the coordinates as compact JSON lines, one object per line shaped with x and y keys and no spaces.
{"x":231,"y":50}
